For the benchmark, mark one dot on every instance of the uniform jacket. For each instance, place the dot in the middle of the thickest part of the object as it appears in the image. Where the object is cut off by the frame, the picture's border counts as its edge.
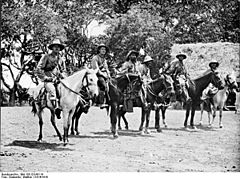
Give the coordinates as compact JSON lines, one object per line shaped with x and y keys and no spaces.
{"x":50,"y":66}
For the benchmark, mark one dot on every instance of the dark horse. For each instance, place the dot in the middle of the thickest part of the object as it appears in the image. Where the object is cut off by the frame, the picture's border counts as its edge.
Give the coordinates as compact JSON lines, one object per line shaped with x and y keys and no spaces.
{"x":116,"y":89}
{"x":195,"y":90}
{"x":88,"y":102}
{"x":162,"y":83}
{"x":115,"y":92}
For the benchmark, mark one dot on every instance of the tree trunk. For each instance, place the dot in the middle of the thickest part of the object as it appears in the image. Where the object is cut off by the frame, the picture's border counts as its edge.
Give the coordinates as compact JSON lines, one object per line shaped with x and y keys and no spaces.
{"x":12,"y":99}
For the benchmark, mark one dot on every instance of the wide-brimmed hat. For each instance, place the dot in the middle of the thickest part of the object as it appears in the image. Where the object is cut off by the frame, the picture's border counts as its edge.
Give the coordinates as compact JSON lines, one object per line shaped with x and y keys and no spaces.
{"x":181,"y":54}
{"x":56,"y":42}
{"x":214,"y":62}
{"x":102,"y":45}
{"x":132,"y":52}
{"x":147,"y":59}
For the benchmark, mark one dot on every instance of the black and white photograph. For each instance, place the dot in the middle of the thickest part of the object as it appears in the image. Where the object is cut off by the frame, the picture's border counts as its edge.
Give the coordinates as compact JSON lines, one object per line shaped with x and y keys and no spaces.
{"x":119,"y":86}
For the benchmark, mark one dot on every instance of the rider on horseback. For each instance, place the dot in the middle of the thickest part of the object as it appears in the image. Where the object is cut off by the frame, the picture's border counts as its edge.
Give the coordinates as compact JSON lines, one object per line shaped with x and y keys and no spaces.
{"x":144,"y":70}
{"x":130,"y":65}
{"x":99,"y":62}
{"x":49,"y":69}
{"x":211,"y":90}
{"x":179,"y":72}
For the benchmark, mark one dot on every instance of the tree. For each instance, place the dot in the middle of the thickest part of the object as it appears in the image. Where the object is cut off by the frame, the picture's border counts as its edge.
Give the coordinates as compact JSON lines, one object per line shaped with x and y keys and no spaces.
{"x":23,"y":24}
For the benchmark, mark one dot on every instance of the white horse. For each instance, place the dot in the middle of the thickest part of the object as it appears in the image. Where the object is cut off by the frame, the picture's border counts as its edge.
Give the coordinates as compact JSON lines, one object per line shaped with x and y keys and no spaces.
{"x":68,"y":89}
{"x":219,"y":100}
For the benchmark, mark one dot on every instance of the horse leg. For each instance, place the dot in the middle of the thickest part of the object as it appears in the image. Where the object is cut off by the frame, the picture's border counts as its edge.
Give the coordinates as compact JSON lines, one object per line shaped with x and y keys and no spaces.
{"x":113,"y":117}
{"x":39,"y":113}
{"x":66,"y":124}
{"x":72,"y":126}
{"x":125,"y":120}
{"x":54,"y":125}
{"x":163,"y":109}
{"x":142,"y":120}
{"x":157,"y":119}
{"x":209,"y":118}
{"x":220,"y":117}
{"x":213,"y":116}
{"x":119,"y":120}
{"x":76,"y":116}
{"x":201,"y":108}
{"x":187,"y":114}
{"x":148,"y":112}
{"x":192,"y":116}
{"x":77,"y":121}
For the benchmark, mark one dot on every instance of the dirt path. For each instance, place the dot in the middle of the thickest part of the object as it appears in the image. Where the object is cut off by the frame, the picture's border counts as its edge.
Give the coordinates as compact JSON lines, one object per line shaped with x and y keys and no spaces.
{"x":175,"y":149}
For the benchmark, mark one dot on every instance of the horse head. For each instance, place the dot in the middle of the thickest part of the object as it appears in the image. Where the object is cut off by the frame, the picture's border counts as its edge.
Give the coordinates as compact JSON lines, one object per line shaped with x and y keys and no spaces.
{"x":168,"y":83}
{"x":230,"y":81}
{"x":90,"y":82}
{"x":126,"y":79}
{"x":217,"y":81}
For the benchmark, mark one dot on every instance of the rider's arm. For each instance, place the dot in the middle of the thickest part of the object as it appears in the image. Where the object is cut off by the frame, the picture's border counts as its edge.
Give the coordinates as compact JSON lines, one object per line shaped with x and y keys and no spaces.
{"x":124,"y":69}
{"x":63,"y":68}
{"x":40,"y":67}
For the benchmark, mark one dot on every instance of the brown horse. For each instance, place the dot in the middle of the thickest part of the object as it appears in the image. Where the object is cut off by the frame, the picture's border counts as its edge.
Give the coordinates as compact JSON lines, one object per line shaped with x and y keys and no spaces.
{"x":116,"y":91}
{"x":195,"y":90}
{"x":162,"y":83}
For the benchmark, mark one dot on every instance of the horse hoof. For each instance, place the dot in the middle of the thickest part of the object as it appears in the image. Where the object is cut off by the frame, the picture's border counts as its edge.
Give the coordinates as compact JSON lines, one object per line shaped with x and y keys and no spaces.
{"x":200,"y":124}
{"x":115,"y":136}
{"x":119,"y":128}
{"x":147,"y":131}
{"x":209,"y":126}
{"x":77,"y":133}
{"x":72,"y":133}
{"x":159,"y":130}
{"x":126,"y":128}
{"x":141,"y":132}
{"x":193,"y":127}
{"x":166,"y":126}
{"x":60,"y":138}
{"x":221,"y":126}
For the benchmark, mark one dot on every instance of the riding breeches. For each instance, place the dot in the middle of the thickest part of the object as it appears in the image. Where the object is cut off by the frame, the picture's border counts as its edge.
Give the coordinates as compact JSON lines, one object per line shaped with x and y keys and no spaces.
{"x":51,"y":90}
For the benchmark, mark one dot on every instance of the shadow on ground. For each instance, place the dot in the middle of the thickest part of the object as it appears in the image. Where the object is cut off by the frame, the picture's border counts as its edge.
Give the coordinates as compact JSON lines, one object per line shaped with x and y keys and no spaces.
{"x":130,"y":133}
{"x":39,"y":145}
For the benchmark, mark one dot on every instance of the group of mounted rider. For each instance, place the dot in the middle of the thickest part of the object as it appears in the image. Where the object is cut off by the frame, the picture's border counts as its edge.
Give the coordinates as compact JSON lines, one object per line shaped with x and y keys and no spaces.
{"x":51,"y":68}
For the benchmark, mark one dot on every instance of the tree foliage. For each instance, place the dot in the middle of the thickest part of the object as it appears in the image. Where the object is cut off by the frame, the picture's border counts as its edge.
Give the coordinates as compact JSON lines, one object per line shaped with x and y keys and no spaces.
{"x":28,"y":26}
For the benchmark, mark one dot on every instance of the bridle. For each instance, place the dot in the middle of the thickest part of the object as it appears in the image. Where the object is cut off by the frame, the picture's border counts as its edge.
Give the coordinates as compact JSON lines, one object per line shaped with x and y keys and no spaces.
{"x":228,"y":83}
{"x":217,"y":81}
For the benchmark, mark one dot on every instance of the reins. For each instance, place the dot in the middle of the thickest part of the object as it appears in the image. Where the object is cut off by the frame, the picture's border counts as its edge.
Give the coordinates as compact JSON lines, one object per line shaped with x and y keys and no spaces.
{"x":77,"y":93}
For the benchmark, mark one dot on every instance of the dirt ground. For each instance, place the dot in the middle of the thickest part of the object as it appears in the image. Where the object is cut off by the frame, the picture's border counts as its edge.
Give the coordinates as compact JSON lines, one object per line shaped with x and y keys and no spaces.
{"x":95,"y":150}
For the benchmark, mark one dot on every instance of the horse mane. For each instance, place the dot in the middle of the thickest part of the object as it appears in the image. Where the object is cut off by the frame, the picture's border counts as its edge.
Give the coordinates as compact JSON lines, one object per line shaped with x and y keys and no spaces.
{"x":76,"y":73}
{"x":202,"y":76}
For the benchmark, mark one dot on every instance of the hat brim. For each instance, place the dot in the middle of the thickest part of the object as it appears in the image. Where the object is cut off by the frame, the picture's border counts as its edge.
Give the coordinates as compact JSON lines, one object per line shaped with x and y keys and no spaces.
{"x":132,"y":52}
{"x":184,"y":56}
{"x":213,"y":63}
{"x":60,"y":45}
{"x":100,"y":46}
{"x":147,"y":61}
